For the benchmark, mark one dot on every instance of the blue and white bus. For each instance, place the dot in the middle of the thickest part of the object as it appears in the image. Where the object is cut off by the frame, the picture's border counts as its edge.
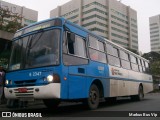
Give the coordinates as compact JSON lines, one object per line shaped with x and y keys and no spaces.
{"x":56,"y":60}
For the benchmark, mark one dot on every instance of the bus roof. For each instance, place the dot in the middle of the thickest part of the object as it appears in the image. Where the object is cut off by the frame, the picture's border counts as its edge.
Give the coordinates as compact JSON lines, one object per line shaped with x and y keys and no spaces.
{"x":39,"y":22}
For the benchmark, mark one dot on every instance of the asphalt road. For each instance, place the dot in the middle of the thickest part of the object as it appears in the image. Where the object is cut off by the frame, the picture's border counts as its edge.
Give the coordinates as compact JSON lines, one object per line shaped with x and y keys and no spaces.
{"x":124,"y":107}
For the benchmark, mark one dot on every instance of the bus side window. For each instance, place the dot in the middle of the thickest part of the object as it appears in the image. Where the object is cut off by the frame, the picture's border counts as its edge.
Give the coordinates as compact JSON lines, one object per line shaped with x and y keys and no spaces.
{"x":75,"y":47}
{"x":113,"y":55}
{"x":147,"y":67}
{"x":134,"y":63}
{"x":71,"y":41}
{"x":96,"y":50}
{"x":109,"y":48}
{"x":143,"y":66}
{"x":125,"y":60}
{"x":96,"y":44}
{"x":140,"y":66}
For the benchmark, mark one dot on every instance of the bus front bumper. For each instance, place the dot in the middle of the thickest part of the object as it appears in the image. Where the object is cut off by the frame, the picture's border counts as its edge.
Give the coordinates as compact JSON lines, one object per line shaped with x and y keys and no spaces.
{"x":49,"y":91}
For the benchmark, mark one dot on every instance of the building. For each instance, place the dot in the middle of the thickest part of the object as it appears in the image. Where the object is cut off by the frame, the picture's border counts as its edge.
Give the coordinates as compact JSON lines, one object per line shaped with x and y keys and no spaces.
{"x":108,"y":18}
{"x":155,"y":33}
{"x":28,"y":16}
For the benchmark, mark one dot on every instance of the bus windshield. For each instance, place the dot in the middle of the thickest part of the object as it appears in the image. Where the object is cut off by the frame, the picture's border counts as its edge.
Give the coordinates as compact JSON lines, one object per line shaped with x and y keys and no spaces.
{"x":36,"y":50}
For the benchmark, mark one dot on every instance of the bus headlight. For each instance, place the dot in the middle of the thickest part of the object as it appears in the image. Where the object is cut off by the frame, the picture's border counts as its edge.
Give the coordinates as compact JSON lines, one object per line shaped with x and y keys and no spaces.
{"x":53,"y":78}
{"x":50,"y":78}
{"x":7,"y":82}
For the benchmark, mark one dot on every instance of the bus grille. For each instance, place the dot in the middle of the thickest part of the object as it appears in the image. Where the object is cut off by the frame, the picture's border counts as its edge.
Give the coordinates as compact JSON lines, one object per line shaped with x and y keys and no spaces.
{"x":28,"y":94}
{"x":23,"y":83}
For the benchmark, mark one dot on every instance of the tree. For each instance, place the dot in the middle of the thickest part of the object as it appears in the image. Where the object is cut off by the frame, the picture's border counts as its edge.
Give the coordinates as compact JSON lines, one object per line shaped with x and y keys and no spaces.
{"x":155,"y":68}
{"x":154,"y":59}
{"x":4,"y":13}
{"x":152,"y":56}
{"x":10,"y":21}
{"x":4,"y":58}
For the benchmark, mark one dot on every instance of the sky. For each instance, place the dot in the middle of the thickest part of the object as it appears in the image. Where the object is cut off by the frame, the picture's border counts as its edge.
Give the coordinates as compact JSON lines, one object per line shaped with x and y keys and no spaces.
{"x":144,"y":8}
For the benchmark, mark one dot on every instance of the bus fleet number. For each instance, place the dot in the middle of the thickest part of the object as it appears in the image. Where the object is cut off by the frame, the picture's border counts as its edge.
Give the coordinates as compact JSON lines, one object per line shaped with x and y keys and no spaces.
{"x":35,"y":74}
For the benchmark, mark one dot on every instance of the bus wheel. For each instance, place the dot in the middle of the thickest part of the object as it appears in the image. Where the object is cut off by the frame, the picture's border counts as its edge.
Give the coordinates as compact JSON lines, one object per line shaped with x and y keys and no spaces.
{"x":140,"y":95}
{"x":51,"y":103}
{"x":93,"y":99}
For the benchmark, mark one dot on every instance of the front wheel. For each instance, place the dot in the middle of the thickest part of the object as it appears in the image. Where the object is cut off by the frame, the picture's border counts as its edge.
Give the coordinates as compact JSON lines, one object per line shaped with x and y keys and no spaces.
{"x":93,"y":99}
{"x":51,"y":103}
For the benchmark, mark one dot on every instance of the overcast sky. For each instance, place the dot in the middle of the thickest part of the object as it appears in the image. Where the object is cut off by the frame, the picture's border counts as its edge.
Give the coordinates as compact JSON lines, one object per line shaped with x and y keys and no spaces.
{"x":144,"y":8}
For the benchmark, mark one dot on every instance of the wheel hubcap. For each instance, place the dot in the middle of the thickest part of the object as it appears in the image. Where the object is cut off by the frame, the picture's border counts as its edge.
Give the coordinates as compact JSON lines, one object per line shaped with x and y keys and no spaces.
{"x":93,"y":97}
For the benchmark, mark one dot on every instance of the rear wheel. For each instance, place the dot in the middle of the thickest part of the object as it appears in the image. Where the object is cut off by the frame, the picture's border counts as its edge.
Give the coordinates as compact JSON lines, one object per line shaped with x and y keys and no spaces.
{"x":140,"y":95}
{"x":93,"y":99}
{"x":51,"y":103}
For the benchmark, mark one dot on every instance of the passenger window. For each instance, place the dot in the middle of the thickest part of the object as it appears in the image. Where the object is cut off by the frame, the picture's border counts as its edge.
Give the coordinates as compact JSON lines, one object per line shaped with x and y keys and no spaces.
{"x":134,"y":63}
{"x":77,"y":46}
{"x":139,"y":62}
{"x":96,"y":44}
{"x":113,"y":55}
{"x":109,"y":49}
{"x":97,"y":55}
{"x":139,"y":65}
{"x":96,"y":50}
{"x":125,"y":64}
{"x":124,"y":55}
{"x":113,"y":61}
{"x":74,"y":50}
{"x":143,"y":66}
{"x":146,"y":65}
{"x":133,"y":59}
{"x":125,"y":60}
{"x":142,"y":62}
{"x":115,"y":52}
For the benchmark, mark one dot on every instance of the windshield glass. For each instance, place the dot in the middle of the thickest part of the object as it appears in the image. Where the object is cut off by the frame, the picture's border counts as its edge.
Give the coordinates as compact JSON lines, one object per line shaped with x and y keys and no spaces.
{"x":36,"y":50}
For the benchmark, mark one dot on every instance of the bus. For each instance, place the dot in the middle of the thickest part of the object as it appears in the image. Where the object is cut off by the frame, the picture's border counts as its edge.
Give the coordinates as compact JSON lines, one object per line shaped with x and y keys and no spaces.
{"x":56,"y":60}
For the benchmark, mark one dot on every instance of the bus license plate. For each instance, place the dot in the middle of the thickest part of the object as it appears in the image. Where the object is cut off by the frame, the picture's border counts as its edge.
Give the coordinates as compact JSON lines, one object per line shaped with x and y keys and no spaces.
{"x":22,"y":90}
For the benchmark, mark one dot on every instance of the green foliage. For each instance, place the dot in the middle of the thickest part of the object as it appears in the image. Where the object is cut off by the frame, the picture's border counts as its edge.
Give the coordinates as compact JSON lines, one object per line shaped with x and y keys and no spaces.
{"x":154,"y":59}
{"x":4,"y":58}
{"x":155,"y":68}
{"x":9,"y":21}
{"x":152,"y":56}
